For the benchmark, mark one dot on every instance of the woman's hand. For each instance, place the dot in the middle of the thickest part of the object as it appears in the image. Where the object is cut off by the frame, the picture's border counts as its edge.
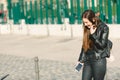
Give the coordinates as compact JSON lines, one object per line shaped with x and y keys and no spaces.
{"x":92,"y":30}
{"x":79,"y":63}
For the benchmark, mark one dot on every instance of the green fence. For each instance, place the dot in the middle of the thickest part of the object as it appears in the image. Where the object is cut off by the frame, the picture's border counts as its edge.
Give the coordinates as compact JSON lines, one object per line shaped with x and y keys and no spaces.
{"x":56,"y":11}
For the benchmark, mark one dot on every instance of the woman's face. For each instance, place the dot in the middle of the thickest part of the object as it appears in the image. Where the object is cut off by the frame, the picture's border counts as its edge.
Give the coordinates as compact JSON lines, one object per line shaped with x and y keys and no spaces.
{"x":87,"y":22}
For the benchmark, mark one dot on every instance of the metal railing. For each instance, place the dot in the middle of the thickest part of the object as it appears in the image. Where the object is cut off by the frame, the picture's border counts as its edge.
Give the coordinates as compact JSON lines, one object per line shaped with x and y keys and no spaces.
{"x":54,"y":11}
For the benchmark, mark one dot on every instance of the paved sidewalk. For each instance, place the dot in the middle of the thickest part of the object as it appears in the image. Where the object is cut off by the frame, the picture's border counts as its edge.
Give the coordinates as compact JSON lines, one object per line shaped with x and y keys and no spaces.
{"x":21,"y":68}
{"x":57,"y":58}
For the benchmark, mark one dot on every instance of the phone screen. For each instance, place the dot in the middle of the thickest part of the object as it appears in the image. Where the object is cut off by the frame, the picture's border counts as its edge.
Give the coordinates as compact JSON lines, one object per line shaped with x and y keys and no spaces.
{"x":78,"y":67}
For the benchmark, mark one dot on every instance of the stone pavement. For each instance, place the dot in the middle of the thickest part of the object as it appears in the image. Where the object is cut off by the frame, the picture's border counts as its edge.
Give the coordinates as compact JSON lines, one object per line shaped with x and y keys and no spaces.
{"x":57,"y":58}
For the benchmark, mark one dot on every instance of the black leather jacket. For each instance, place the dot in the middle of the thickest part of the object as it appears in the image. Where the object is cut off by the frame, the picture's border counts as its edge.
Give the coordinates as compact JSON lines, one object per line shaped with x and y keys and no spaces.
{"x":100,"y":38}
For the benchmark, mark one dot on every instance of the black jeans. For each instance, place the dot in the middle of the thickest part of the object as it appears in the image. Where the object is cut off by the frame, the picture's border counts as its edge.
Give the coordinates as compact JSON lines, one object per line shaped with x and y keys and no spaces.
{"x":94,"y":69}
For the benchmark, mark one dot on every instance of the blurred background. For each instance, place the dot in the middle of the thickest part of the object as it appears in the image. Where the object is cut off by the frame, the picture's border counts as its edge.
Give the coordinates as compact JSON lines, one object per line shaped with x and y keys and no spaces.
{"x":42,"y":39}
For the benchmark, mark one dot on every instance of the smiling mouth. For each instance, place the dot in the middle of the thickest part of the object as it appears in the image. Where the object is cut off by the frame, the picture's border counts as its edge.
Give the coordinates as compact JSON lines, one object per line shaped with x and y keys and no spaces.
{"x":87,"y":27}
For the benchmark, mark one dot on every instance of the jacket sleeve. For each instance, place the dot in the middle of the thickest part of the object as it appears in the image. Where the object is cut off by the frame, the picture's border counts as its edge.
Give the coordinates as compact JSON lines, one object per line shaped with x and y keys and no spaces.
{"x":81,"y":56}
{"x":101,"y":41}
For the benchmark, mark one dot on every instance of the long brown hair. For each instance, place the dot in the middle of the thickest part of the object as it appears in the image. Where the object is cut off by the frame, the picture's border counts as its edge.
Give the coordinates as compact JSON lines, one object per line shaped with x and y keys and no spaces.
{"x":90,"y":15}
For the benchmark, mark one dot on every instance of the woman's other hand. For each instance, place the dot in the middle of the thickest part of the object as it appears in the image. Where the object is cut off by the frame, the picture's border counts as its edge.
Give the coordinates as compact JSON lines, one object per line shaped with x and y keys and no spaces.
{"x":92,"y":29}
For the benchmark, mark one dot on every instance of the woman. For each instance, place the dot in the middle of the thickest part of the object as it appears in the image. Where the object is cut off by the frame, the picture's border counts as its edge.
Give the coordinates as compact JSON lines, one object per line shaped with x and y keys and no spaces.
{"x":93,"y":53}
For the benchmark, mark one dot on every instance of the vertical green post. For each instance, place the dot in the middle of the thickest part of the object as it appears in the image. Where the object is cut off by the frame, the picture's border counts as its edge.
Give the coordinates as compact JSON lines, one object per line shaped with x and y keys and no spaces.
{"x":36,"y":12}
{"x":78,"y":11}
{"x":30,"y":16}
{"x":66,"y":9}
{"x":26,"y":20}
{"x":118,"y":11}
{"x":72,"y":12}
{"x":21,"y":9}
{"x":105,"y":11}
{"x":58,"y":13}
{"x":52,"y":11}
{"x":85,"y":4}
{"x":114,"y":11}
{"x":46,"y":6}
{"x":18,"y":11}
{"x":9,"y":8}
{"x":23,"y":13}
{"x":101,"y":9}
{"x":62,"y":12}
{"x":93,"y":5}
{"x":41,"y":13}
{"x":13,"y":6}
{"x":98,"y":8}
{"x":109,"y":12}
{"x":15,"y":10}
{"x":105,"y":7}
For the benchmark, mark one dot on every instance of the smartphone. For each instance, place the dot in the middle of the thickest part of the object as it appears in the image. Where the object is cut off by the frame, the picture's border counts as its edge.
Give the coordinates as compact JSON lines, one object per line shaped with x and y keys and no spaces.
{"x":78,"y":67}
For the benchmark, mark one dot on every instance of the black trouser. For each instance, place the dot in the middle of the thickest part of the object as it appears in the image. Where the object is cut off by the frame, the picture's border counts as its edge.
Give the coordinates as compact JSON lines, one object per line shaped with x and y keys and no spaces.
{"x":94,"y":69}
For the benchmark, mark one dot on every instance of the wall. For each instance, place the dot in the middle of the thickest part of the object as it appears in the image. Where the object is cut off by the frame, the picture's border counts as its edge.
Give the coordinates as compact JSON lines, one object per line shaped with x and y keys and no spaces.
{"x":53,"y":30}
